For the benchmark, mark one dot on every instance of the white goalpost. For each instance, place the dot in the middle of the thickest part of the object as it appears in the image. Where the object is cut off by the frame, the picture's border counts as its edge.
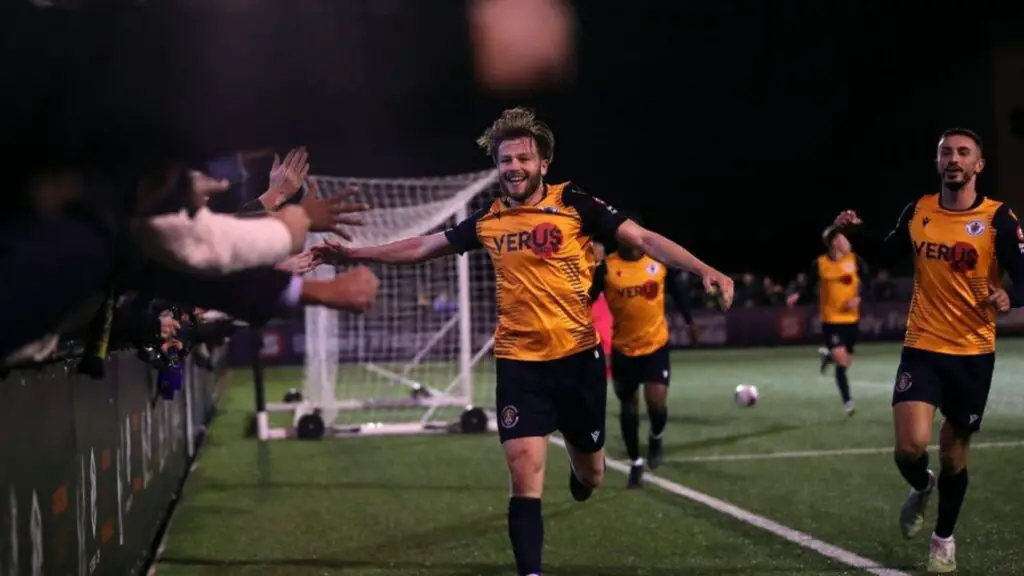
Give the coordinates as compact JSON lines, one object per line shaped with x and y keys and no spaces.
{"x":419,"y":362}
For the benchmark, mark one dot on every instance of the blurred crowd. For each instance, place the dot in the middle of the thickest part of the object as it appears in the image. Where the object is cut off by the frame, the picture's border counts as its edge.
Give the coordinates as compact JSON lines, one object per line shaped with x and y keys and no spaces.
{"x":143,"y":265}
{"x":753,"y":290}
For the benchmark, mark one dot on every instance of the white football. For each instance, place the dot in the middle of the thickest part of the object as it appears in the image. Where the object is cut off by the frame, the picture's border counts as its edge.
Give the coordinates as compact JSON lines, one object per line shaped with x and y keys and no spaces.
{"x":746,"y":395}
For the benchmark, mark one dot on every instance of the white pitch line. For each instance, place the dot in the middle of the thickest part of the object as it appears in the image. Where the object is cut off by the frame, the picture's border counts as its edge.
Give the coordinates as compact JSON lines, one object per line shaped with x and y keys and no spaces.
{"x":822,"y":453}
{"x":796,"y":537}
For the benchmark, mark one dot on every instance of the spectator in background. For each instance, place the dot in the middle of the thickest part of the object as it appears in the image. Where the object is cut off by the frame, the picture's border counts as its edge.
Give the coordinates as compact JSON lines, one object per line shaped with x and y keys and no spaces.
{"x":771,"y":292}
{"x":56,"y":259}
{"x":187,"y":236}
{"x":257,"y":293}
{"x":798,"y":284}
{"x":237,"y":168}
{"x":193,"y":238}
{"x":883,"y":289}
{"x":749,"y":292}
{"x":63,"y":257}
{"x":136,"y":322}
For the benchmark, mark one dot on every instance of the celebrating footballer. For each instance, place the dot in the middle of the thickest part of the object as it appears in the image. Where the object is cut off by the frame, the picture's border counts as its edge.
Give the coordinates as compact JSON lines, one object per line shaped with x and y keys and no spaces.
{"x":549,"y":361}
{"x":961,"y":243}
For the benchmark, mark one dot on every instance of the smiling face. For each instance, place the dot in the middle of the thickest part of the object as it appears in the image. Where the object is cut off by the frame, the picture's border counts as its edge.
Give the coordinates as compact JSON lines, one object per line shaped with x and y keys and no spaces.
{"x":520,"y":167}
{"x":959,"y":161}
{"x":522,"y":148}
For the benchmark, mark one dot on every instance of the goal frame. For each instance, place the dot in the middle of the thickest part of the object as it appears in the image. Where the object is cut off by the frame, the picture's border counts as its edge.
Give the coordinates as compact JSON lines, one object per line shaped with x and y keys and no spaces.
{"x":459,"y":392}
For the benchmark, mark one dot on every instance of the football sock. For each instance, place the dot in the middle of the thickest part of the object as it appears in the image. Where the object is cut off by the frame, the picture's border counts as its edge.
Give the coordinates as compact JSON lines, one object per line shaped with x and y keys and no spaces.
{"x":952,"y":489}
{"x":915,"y":472}
{"x":843,"y":383}
{"x":526,"y":532}
{"x":659,"y":418}
{"x":629,"y":425}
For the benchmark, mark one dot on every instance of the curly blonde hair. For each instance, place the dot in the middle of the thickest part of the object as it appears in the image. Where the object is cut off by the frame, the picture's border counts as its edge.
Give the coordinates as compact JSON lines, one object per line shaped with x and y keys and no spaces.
{"x":515,"y":123}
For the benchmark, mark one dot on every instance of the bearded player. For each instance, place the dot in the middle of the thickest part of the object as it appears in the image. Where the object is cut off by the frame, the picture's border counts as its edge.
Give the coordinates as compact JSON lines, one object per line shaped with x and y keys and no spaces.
{"x":549,"y":362}
{"x":961,"y":242}
{"x":635,"y":285}
{"x":839,"y":275}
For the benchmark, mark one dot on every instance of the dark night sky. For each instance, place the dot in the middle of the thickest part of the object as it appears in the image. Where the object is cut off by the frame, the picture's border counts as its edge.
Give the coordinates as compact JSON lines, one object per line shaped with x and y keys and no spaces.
{"x":741,"y":133}
{"x":740,"y":129}
{"x":736,"y":128}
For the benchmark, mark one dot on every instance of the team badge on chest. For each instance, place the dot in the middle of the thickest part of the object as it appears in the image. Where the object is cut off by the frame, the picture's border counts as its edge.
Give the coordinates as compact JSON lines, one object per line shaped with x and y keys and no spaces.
{"x":975,"y":228}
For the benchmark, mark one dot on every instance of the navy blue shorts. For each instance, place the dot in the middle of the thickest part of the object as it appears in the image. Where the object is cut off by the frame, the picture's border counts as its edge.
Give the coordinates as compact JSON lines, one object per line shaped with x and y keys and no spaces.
{"x":568,"y":395}
{"x":844,"y":335}
{"x":630,"y":372}
{"x":957,"y":385}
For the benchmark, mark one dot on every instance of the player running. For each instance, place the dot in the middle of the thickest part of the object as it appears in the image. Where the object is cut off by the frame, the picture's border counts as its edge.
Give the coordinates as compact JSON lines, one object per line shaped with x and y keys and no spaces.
{"x":550,"y":367}
{"x":839,"y":275}
{"x":635,"y":285}
{"x":961,"y":242}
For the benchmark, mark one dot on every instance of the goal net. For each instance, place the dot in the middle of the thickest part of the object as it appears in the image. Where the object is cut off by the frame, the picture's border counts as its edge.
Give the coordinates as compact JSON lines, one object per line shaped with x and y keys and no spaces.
{"x":420,"y":358}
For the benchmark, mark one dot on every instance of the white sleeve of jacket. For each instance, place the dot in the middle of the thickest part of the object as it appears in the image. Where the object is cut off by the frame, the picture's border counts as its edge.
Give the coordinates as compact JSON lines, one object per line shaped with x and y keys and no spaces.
{"x":35,"y":351}
{"x":213,"y":244}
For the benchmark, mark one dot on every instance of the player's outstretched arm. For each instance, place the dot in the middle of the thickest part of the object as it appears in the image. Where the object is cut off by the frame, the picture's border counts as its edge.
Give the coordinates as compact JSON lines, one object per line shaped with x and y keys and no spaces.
{"x":675,"y":256}
{"x":896,"y":240}
{"x":457,"y":240}
{"x":610,"y":228}
{"x":408,"y":251}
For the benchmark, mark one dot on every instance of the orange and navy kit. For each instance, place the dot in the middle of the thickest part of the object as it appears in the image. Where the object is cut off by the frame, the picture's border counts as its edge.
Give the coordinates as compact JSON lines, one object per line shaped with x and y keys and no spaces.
{"x":839,"y":281}
{"x":949,"y":347}
{"x":635,"y":290}
{"x":550,"y":366}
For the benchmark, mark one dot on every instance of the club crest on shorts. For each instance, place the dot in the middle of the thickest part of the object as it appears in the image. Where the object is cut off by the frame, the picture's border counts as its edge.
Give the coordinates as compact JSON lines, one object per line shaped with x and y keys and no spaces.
{"x":652,"y":268}
{"x":975,"y":228}
{"x":509,"y":416}
{"x":903,"y":382}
